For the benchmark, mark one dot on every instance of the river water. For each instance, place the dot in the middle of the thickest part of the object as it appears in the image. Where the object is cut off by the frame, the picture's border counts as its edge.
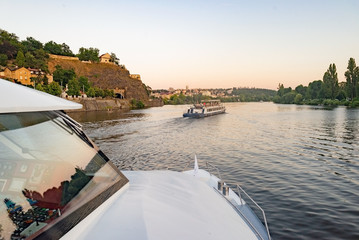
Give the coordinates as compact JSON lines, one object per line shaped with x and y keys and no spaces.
{"x":300,"y":163}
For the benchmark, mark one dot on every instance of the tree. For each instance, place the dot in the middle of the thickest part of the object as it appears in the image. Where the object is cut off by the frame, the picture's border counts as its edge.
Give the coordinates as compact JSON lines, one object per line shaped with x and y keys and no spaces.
{"x":31,"y":44}
{"x":66,"y":51}
{"x":73,"y":87}
{"x":58,"y":49}
{"x":298,"y":98}
{"x":9,"y":44}
{"x":54,"y":89}
{"x":88,"y":54}
{"x":3,"y":59}
{"x":352,"y":77}
{"x":53,"y":48}
{"x":63,"y":76}
{"x":314,"y":90}
{"x":330,"y":82}
{"x":91,"y":92}
{"x":20,"y":59}
{"x":114,"y":59}
{"x":84,"y":83}
{"x":30,"y":60}
{"x":301,"y":89}
{"x":99,"y":92}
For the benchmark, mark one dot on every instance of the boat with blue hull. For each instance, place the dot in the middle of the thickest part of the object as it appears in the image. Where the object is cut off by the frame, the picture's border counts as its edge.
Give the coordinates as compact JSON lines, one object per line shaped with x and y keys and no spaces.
{"x":205,"y":109}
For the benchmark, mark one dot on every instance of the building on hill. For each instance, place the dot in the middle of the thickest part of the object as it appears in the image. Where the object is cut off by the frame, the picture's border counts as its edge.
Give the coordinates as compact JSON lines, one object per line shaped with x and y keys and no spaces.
{"x":105,"y":58}
{"x":24,"y":75}
{"x":136,"y":76}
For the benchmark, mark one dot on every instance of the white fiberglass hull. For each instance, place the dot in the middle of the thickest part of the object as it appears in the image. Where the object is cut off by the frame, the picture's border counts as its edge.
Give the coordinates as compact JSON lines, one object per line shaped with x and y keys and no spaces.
{"x":166,"y":205}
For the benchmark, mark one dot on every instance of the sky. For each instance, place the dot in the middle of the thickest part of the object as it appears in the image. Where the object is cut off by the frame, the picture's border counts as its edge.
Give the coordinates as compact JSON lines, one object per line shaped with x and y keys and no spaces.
{"x":201,"y":44}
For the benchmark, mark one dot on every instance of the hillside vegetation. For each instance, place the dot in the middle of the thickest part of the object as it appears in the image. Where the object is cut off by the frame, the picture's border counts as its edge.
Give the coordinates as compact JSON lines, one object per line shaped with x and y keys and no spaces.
{"x":103,"y":75}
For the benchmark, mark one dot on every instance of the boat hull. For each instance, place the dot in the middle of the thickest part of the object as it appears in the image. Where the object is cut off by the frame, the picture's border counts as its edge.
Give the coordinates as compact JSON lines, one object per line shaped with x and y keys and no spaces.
{"x":202,"y":115}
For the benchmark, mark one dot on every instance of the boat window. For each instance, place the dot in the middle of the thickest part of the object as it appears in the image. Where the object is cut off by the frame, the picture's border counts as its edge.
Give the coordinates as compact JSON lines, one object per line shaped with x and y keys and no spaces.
{"x":51,"y":175}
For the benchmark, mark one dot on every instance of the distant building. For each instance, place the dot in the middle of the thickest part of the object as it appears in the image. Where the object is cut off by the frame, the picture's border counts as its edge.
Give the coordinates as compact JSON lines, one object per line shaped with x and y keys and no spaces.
{"x":206,"y":93}
{"x":24,"y":75}
{"x":105,"y":58}
{"x":136,"y":76}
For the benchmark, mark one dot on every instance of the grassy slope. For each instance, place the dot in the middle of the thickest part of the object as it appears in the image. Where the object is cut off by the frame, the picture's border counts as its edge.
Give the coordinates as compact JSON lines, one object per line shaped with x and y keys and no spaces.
{"x":105,"y":76}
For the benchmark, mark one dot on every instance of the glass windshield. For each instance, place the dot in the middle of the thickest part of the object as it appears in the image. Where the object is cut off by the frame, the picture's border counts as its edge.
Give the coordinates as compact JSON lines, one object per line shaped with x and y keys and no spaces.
{"x":51,"y":176}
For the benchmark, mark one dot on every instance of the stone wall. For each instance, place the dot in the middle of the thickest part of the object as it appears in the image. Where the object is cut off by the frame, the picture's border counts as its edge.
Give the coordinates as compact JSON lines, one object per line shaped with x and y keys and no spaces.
{"x":53,"y":56}
{"x":101,"y":105}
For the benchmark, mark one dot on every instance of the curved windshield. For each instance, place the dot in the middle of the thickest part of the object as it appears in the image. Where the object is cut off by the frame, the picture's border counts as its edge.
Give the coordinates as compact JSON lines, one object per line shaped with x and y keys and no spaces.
{"x":51,"y":176}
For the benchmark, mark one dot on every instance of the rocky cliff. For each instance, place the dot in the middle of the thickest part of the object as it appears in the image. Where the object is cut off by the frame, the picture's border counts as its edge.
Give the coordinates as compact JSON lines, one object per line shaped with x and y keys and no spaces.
{"x":106,"y":76}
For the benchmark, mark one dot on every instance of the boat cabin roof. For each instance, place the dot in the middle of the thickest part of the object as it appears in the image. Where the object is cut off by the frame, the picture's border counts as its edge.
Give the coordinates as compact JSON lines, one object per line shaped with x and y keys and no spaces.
{"x":18,"y":98}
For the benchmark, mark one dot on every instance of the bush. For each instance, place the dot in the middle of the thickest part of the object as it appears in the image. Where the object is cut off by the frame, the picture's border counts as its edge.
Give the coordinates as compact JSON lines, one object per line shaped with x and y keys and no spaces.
{"x":354,"y":104}
{"x":137,"y":104}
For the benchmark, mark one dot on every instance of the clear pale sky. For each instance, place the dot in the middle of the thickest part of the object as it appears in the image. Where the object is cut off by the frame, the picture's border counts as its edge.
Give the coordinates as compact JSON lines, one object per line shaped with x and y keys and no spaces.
{"x":202,"y":44}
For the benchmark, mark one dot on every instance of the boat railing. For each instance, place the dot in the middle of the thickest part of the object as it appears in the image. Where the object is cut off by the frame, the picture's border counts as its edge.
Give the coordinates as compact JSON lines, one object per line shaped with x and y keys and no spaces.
{"x":239,"y":190}
{"x":210,"y":168}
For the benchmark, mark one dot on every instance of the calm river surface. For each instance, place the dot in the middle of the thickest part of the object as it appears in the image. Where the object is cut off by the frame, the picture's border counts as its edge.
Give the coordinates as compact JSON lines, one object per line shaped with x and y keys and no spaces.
{"x":300,"y":163}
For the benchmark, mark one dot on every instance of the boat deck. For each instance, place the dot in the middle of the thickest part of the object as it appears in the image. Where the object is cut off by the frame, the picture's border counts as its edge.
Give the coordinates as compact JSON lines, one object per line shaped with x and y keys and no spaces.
{"x":165,"y":205}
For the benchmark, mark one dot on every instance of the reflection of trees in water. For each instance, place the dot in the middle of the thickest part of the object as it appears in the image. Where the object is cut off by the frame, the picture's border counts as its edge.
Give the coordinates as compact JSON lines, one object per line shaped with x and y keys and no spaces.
{"x":351,"y":124}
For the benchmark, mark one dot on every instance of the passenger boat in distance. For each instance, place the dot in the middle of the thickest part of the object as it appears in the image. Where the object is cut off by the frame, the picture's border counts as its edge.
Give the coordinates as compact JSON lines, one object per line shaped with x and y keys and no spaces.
{"x":205,"y":108}
{"x":56,"y":183}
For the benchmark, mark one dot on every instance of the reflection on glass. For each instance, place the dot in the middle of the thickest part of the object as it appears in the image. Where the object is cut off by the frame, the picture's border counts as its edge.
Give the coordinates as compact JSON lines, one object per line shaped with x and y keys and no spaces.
{"x":49,"y":173}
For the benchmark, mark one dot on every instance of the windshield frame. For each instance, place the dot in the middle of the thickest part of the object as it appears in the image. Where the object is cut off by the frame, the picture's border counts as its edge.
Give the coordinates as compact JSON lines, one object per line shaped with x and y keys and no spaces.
{"x":61,"y":225}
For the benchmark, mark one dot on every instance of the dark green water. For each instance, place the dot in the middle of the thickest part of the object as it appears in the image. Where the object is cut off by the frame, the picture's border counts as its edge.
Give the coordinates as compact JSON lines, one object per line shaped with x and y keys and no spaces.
{"x":300,"y":163}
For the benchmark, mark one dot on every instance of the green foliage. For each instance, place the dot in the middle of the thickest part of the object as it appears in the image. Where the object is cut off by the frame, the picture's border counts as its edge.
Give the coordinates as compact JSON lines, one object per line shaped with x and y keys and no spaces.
{"x":301,"y":89}
{"x":137,"y":104}
{"x":114,"y":59}
{"x":3,"y":59}
{"x":352,"y":77}
{"x":91,"y":92}
{"x":20,"y":59}
{"x":88,"y":54}
{"x":63,"y":76}
{"x":314,"y":90}
{"x":354,"y":103}
{"x":84,"y":83}
{"x":29,"y":60}
{"x":298,"y":98}
{"x":40,"y":87}
{"x":99,"y":92}
{"x":31,"y":44}
{"x":73,"y":87}
{"x":327,"y":92}
{"x":109,"y":93}
{"x":330,"y":102}
{"x":54,"y":88}
{"x":282,"y":91}
{"x":58,"y":49}
{"x":330,"y":82}
{"x":9,"y":44}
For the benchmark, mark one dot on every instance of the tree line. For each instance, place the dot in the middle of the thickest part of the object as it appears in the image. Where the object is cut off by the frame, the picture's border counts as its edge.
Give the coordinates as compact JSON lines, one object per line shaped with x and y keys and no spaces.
{"x":31,"y":53}
{"x":327,"y":91}
{"x":232,"y":95}
{"x":76,"y":85}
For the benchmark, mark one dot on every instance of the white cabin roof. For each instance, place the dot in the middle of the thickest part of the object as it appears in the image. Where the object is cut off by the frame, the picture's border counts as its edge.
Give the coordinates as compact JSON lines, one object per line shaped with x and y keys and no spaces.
{"x":18,"y":98}
{"x":163,"y":205}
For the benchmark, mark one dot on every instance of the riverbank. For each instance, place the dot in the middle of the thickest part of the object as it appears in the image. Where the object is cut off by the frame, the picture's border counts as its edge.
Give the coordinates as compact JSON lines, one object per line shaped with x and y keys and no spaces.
{"x":95,"y":104}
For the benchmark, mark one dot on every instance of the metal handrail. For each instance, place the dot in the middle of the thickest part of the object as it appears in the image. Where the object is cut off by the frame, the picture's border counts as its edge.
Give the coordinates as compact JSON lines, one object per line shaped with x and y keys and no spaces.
{"x":213,"y":167}
{"x":239,"y":189}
